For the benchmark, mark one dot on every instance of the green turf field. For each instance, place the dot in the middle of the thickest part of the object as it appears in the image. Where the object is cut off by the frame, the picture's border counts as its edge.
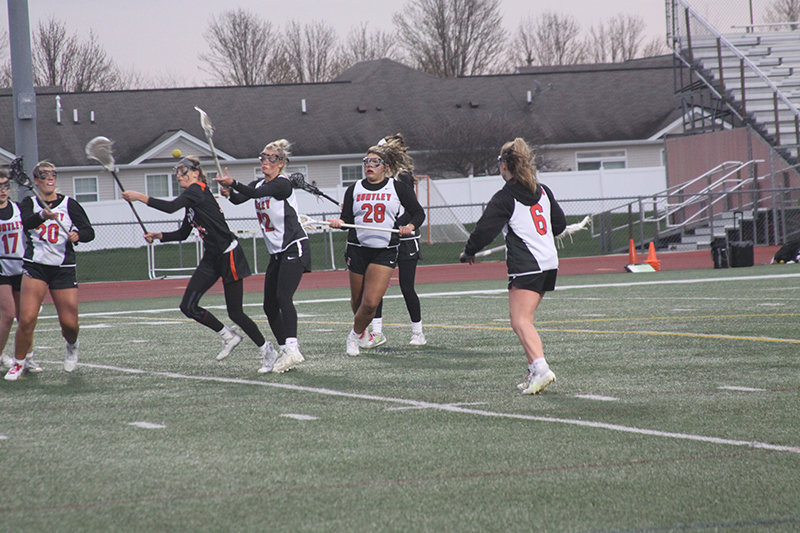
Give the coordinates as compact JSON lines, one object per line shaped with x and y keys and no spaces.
{"x":675,"y":409}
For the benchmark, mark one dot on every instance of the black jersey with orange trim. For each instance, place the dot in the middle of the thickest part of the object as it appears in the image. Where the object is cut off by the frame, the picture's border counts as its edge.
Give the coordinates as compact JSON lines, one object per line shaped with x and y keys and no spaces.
{"x":203,"y":213}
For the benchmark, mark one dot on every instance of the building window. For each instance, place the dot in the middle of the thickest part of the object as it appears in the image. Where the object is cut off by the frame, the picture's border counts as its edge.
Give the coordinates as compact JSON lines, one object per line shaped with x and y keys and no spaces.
{"x":86,"y":190}
{"x":213,"y":185}
{"x":597,"y":160}
{"x":351,"y":174}
{"x":160,"y":185}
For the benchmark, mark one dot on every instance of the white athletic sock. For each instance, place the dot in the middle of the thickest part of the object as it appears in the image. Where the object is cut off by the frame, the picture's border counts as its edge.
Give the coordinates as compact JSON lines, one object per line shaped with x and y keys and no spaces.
{"x":377,"y":326}
{"x":416,"y":327}
{"x":354,"y":335}
{"x":540,"y":366}
{"x":226,"y":333}
{"x":291,"y":342}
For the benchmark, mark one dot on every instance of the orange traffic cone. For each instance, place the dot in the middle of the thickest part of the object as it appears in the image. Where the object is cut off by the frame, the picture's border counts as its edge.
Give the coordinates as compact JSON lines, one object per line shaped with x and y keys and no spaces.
{"x":651,"y":258}
{"x":632,"y":258}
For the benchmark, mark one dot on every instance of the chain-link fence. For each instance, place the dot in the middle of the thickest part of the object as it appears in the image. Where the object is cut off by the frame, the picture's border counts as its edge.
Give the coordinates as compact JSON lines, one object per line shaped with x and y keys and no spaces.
{"x":770,"y":217}
{"x":730,"y":16}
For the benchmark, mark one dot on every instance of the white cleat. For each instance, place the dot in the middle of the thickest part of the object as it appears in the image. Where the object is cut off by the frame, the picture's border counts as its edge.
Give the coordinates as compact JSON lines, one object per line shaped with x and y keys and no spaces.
{"x":290,"y":358}
{"x":229,"y":345}
{"x":373,"y":341}
{"x":71,"y":359}
{"x":539,"y":382}
{"x":353,"y":344}
{"x":268,"y":357}
{"x":17,"y":369}
{"x":32,"y":366}
{"x":418,"y":339}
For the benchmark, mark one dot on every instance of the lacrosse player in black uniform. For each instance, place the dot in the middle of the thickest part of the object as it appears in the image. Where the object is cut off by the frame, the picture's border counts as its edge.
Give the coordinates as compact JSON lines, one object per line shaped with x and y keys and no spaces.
{"x":287,"y":243}
{"x":377,"y":202}
{"x":49,"y":264}
{"x":407,"y":255}
{"x":222,"y":257}
{"x":12,"y":248}
{"x":529,"y":217}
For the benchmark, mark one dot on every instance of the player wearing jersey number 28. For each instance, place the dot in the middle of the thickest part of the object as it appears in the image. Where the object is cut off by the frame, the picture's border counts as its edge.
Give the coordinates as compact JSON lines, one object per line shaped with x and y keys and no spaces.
{"x":529,"y":216}
{"x":371,"y":255}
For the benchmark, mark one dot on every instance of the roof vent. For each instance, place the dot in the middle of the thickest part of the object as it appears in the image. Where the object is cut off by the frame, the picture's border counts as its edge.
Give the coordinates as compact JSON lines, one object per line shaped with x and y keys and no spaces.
{"x":361,"y":109}
{"x":303,"y":106}
{"x":474,"y":104}
{"x":91,"y":117}
{"x":75,"y":116}
{"x":458,"y":106}
{"x":58,"y":109}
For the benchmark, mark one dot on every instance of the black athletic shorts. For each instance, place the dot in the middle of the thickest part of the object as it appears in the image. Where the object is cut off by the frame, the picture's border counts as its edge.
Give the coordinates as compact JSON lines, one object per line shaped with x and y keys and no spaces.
{"x":541,"y":283}
{"x":358,"y":258}
{"x":230,"y":266}
{"x":14,"y":281}
{"x":56,"y":277}
{"x":297,"y":255}
{"x":408,"y":250}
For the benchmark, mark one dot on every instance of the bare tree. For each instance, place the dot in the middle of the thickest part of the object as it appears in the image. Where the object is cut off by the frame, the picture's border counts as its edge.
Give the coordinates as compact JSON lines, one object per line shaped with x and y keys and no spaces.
{"x":550,"y":39}
{"x":308,"y":53}
{"x":62,"y":59}
{"x":5,"y":61}
{"x":361,"y":45}
{"x":449,"y":38}
{"x":242,"y":46}
{"x":783,"y":11}
{"x":620,"y":40}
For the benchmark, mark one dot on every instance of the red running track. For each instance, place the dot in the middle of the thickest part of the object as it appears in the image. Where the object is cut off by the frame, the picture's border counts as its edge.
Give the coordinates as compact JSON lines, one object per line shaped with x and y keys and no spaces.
{"x":573,"y":266}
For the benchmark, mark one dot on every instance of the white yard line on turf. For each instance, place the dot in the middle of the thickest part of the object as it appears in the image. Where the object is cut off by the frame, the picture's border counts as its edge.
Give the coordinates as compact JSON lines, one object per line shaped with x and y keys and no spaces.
{"x":462,"y":293}
{"x":453,"y":408}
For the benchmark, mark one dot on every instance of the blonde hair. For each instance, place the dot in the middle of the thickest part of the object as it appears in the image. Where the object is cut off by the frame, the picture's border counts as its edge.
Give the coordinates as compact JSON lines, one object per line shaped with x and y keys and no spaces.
{"x":394,"y":152}
{"x":519,"y":159}
{"x":282,"y":147}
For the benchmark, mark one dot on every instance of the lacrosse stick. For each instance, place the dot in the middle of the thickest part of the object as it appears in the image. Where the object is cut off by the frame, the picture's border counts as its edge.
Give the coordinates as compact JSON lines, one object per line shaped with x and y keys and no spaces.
{"x":310,"y":222}
{"x":21,"y":178}
{"x":572,"y":229}
{"x":299,"y":182}
{"x":99,"y":149}
{"x":208,"y":128}
{"x":490,"y":251}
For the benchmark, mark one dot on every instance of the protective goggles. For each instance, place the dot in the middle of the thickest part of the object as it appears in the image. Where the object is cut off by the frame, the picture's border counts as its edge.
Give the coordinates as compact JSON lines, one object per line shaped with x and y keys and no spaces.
{"x":5,"y":185}
{"x":372,"y":162}
{"x":272,"y":158}
{"x":44,"y":174}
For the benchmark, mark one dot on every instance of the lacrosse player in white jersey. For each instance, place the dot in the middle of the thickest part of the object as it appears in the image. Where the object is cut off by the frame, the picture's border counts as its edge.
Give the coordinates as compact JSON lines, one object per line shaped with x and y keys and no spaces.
{"x":377,"y":202}
{"x":49,"y":264}
{"x":12,"y":246}
{"x":287,"y":243}
{"x":527,"y":213}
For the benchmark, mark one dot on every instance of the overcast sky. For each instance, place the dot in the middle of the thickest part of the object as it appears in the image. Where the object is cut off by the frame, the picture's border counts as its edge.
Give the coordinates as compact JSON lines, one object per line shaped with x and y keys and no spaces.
{"x":164,"y":37}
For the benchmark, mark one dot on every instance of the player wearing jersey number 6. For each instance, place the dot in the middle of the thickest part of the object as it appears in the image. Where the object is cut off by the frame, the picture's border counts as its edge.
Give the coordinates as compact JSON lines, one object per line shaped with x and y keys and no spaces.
{"x":529,"y":217}
{"x":222,"y":256}
{"x":376,"y":201}
{"x":287,"y":243}
{"x":49,"y":264}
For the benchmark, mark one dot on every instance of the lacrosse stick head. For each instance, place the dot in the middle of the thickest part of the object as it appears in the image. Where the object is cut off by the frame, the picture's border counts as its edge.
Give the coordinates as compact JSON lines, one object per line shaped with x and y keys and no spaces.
{"x":298,"y":181}
{"x":205,"y":122}
{"x":100,"y":149}
{"x":17,"y":174}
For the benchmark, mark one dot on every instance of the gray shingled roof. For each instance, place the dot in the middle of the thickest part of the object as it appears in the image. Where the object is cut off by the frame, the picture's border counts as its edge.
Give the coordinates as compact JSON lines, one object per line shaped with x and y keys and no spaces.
{"x":578,"y":104}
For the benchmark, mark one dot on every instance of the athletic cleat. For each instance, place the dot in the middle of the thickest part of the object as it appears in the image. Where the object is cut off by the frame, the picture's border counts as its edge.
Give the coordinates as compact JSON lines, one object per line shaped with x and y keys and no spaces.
{"x":32,"y":366}
{"x":71,"y":360}
{"x":539,"y":382}
{"x":373,"y":341}
{"x":268,"y":357}
{"x":524,"y":384}
{"x":229,"y":345}
{"x":6,"y":361}
{"x":418,"y":339}
{"x":17,"y":369}
{"x":353,"y":344}
{"x":290,"y":358}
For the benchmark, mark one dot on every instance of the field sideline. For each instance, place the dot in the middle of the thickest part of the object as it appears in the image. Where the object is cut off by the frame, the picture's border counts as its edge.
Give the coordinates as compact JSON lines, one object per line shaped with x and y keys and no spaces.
{"x":674,"y":409}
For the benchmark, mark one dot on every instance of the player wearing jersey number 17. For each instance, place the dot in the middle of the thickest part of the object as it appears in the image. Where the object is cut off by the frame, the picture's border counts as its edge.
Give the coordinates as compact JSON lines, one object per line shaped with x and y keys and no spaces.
{"x":371,"y":254}
{"x":529,"y":216}
{"x":49,"y":264}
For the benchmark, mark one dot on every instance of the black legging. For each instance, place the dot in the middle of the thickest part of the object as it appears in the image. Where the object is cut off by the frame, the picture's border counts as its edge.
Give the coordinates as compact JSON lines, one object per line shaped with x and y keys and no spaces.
{"x":407,"y":274}
{"x":234,"y":293}
{"x":280,"y":283}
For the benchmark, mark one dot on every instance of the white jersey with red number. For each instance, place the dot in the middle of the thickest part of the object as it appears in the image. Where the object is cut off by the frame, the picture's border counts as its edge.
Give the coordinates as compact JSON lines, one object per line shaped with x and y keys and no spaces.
{"x":530,"y":234}
{"x":279,"y":221}
{"x":12,"y":241}
{"x":48,"y":241}
{"x":375,"y":209}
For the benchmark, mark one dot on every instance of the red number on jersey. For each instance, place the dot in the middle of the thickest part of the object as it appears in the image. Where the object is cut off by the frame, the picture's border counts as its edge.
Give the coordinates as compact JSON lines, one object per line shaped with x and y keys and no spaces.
{"x":264,"y":220}
{"x":538,"y":220}
{"x":11,"y":247}
{"x":376,"y":213}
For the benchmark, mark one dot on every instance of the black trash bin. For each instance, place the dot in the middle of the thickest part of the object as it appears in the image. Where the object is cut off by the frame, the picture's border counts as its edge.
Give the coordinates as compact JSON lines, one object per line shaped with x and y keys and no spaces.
{"x":741,"y":251}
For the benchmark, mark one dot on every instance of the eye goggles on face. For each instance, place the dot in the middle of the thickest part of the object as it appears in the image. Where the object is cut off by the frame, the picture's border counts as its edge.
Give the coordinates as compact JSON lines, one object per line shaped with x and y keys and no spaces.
{"x":5,"y":185}
{"x":44,"y":174}
{"x":272,"y":158}
{"x":372,"y":162}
